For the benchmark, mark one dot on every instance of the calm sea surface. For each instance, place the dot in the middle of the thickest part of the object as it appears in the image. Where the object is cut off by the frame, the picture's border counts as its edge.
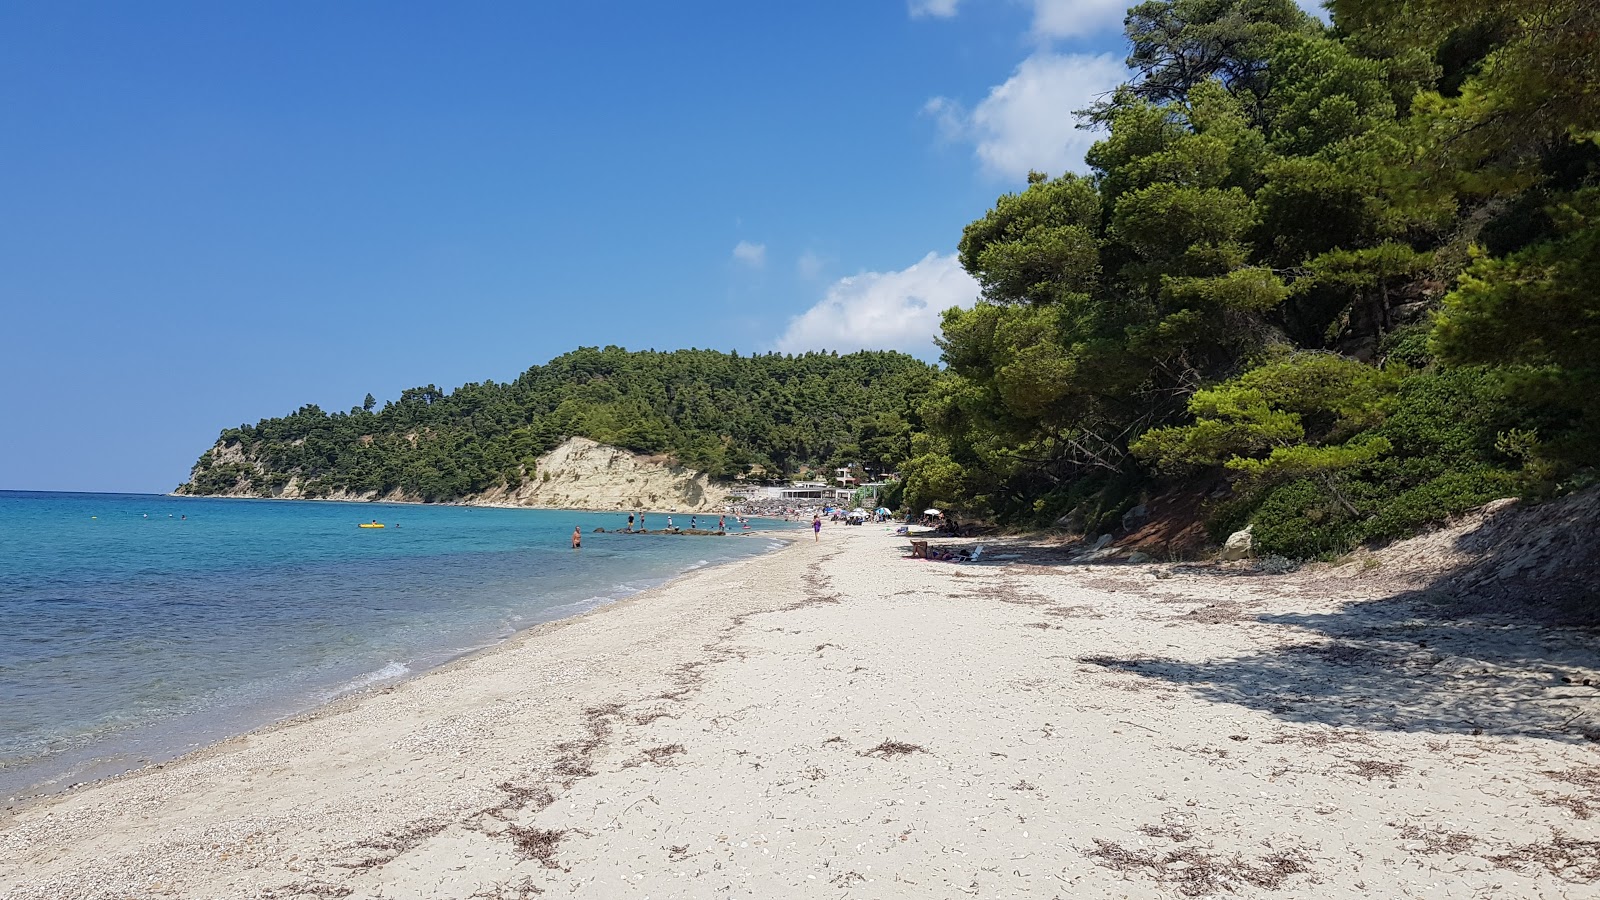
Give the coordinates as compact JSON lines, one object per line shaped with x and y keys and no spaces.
{"x":134,"y":627}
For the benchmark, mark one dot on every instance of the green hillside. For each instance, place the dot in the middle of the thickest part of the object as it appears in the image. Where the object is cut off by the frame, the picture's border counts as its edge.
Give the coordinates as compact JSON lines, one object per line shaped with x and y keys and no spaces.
{"x":717,"y":412}
{"x":1350,"y":273}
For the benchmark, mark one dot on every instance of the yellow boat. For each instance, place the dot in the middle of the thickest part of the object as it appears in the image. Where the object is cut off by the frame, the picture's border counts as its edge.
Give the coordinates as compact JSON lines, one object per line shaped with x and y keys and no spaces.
{"x":370,"y":525}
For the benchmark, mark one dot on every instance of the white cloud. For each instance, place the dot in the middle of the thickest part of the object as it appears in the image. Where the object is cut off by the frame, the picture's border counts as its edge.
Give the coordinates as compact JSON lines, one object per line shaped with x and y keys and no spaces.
{"x":1077,"y":18}
{"x":752,"y":255}
{"x":951,"y":117}
{"x":883,"y":310}
{"x":1028,"y":122}
{"x":940,"y":9}
{"x":810,"y":264}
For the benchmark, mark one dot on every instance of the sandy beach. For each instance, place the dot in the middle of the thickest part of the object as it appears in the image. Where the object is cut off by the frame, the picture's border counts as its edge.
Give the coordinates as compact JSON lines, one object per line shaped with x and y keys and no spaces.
{"x":832,"y":720}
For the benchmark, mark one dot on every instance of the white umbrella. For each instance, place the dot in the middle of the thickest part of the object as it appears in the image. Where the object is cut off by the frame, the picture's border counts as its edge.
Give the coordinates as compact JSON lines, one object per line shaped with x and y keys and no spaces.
{"x":932,"y":512}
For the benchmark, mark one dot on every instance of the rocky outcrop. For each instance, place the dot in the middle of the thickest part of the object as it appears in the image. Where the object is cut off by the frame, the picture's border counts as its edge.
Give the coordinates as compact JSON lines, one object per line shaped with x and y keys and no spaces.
{"x":583,"y":474}
{"x":1239,"y":545}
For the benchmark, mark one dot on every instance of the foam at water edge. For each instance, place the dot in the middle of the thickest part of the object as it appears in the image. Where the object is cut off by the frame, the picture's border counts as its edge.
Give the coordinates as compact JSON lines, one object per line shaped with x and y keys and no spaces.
{"x":390,"y":672}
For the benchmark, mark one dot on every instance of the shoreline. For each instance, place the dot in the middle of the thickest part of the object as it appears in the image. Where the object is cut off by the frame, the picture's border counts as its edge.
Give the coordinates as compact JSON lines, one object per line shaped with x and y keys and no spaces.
{"x":380,"y":501}
{"x":837,"y":719}
{"x":51,"y":789}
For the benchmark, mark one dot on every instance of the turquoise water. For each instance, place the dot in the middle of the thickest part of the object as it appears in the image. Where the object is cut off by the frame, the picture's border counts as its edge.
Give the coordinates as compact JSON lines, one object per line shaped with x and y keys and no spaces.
{"x":133,"y":627}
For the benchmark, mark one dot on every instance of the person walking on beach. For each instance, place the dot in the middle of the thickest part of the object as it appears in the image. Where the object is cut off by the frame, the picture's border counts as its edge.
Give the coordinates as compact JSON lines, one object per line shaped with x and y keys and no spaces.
{"x":816,"y":528}
{"x":577,"y":537}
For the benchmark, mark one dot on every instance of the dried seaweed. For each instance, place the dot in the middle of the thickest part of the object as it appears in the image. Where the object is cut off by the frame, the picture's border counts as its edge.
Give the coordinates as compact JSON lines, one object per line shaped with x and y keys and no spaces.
{"x":890,"y":749}
{"x":1194,"y":872}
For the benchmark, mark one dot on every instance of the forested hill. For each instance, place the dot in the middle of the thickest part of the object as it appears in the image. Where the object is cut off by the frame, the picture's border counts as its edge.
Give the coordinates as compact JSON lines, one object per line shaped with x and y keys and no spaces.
{"x":717,"y":412}
{"x":1339,"y":282}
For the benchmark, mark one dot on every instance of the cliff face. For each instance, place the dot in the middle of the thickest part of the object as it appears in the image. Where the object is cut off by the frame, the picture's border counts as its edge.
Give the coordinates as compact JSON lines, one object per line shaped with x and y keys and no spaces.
{"x":579,"y":474}
{"x":583,"y":474}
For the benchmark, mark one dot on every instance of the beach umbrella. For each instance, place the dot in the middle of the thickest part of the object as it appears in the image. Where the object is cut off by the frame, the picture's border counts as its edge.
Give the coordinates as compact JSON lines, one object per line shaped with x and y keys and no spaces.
{"x":932,"y":512}
{"x":883,"y":510}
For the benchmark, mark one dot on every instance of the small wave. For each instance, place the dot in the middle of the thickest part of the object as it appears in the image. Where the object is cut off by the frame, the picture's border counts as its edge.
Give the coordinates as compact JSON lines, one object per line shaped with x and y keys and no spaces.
{"x":578,"y":607}
{"x":388,"y":673}
{"x":699,"y":565}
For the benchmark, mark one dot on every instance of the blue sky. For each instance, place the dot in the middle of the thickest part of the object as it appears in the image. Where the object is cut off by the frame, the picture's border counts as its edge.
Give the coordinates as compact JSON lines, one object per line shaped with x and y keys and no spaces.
{"x":212,"y":213}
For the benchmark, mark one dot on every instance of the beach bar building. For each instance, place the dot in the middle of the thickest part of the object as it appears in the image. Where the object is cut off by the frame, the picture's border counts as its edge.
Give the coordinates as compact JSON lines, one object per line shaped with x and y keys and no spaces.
{"x":814,"y":490}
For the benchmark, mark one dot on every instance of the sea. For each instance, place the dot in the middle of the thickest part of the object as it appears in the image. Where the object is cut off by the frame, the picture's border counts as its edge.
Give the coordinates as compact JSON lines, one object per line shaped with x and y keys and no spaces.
{"x":136,"y":627}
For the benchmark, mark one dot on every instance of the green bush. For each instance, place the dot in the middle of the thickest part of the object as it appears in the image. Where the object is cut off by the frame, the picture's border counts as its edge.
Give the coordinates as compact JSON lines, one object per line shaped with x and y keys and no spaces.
{"x":1434,"y":501}
{"x":1301,"y":521}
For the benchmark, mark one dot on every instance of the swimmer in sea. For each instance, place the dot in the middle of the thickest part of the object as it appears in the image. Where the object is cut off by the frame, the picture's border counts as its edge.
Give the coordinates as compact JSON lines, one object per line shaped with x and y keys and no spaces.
{"x":577,"y":537}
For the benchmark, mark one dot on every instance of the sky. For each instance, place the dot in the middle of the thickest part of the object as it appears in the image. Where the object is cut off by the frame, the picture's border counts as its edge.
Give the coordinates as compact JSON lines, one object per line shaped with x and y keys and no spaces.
{"x":216,"y":213}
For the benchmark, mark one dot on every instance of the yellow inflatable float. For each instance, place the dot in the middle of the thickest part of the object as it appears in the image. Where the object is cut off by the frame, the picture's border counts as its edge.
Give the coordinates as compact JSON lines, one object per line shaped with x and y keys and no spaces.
{"x":370,"y":525}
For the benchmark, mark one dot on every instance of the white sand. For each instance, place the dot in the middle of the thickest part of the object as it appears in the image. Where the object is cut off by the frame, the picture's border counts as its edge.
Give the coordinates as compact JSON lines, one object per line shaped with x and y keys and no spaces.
{"x":1083,"y":732}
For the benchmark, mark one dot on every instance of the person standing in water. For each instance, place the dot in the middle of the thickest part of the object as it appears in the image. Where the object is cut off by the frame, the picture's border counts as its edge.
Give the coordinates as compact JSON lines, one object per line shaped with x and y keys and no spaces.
{"x":577,"y":537}
{"x":722,"y":524}
{"x":692,"y":520}
{"x":816,"y":527}
{"x":630,"y":523}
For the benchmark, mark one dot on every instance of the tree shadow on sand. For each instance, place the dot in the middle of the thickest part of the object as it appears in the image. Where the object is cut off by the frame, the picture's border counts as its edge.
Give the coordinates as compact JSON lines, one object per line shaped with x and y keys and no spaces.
{"x":1407,"y":663}
{"x":1495,"y":635}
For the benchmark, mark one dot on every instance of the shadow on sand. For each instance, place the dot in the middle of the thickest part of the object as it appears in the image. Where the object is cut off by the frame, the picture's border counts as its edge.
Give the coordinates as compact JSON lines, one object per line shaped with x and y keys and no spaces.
{"x":1399,"y":665}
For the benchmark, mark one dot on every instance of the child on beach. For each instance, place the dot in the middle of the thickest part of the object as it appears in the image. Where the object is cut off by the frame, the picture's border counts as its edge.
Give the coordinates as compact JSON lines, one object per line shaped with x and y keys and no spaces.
{"x":816,"y":528}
